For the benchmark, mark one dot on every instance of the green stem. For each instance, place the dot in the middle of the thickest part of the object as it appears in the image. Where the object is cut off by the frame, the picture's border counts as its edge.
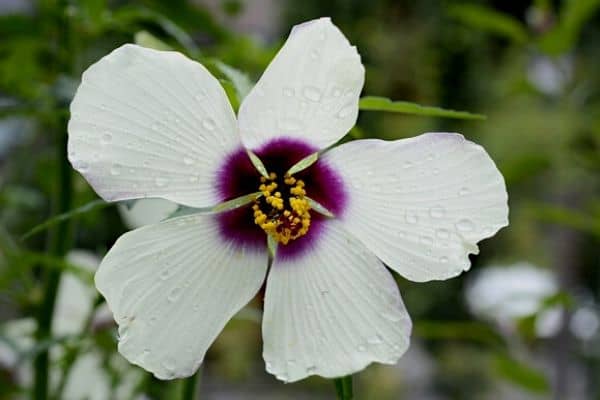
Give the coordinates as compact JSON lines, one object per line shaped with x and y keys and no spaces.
{"x":58,"y":245}
{"x":343,"y":387}
{"x":190,"y":387}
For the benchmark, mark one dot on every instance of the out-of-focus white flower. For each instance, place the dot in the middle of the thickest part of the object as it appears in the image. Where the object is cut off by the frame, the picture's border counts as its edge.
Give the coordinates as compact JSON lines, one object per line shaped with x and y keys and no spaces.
{"x":146,"y":212}
{"x":584,"y":323}
{"x":504,"y":294}
{"x":147,"y":123}
{"x":550,"y":76}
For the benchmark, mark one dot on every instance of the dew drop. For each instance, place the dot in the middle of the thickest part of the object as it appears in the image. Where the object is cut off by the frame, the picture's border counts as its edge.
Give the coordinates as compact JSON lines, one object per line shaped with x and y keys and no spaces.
{"x":407,"y":165}
{"x":160,"y":181}
{"x":209,"y":124}
{"x":345,"y":111}
{"x":193,"y":179}
{"x":311,"y":370}
{"x":106,"y":138}
{"x":288,"y":92}
{"x":411,"y":217}
{"x":463,"y":191}
{"x":442,"y":233}
{"x":362,"y":348}
{"x":146,"y":353}
{"x":165,"y":274}
{"x":465,"y":225}
{"x":426,"y":240}
{"x":169,"y":364}
{"x":199,"y":96}
{"x":429,"y":157}
{"x":443,"y":259}
{"x":115,"y":169}
{"x":81,"y":166}
{"x":188,"y":160}
{"x":314,"y":55}
{"x":336,"y":92}
{"x":436,"y":171}
{"x":174,"y":294}
{"x":437,"y":211}
{"x":312,"y":93}
{"x":375,"y":340}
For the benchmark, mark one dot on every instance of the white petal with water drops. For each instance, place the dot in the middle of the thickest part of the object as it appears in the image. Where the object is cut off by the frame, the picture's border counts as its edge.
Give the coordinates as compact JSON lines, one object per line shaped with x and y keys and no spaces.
{"x":309,"y":91}
{"x":148,"y":123}
{"x":172,"y":287}
{"x":332,"y":311}
{"x":421,"y":204}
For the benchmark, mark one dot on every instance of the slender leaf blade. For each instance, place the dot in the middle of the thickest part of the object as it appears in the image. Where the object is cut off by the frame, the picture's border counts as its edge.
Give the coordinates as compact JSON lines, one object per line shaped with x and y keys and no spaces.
{"x":376,"y":103}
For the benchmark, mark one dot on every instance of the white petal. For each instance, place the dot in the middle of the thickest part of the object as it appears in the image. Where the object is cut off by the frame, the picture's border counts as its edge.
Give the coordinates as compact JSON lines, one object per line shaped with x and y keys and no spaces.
{"x":309,"y":91}
{"x":421,"y":204}
{"x":146,"y":212}
{"x":75,"y":299}
{"x":332,"y":311}
{"x":148,"y":123}
{"x":172,"y":287}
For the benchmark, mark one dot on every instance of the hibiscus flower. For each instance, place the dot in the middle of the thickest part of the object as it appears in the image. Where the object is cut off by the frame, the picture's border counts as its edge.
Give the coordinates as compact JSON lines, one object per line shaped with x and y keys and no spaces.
{"x":147,"y":123}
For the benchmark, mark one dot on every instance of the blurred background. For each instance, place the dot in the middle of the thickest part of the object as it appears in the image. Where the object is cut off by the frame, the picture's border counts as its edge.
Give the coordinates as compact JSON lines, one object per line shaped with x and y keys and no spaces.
{"x":522,"y":324}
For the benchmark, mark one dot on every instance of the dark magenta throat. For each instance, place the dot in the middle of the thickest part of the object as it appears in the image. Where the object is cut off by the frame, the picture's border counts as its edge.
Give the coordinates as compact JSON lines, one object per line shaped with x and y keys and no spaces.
{"x":237,"y":177}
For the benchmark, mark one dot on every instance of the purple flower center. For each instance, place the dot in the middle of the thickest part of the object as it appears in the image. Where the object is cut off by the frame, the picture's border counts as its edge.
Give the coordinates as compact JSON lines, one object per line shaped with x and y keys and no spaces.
{"x":237,"y":177}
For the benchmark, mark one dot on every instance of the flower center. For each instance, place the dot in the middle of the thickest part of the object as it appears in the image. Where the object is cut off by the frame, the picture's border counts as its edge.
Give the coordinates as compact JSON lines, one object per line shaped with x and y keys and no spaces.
{"x":283,"y":214}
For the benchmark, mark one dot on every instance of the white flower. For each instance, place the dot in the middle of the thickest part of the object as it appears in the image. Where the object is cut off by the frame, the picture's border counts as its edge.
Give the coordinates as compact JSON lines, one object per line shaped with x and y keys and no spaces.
{"x":504,"y":294}
{"x":145,"y":212}
{"x":147,"y":123}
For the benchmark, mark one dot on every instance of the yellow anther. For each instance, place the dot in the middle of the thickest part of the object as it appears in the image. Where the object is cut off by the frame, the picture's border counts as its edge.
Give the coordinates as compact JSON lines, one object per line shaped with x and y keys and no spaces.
{"x":284,"y":217}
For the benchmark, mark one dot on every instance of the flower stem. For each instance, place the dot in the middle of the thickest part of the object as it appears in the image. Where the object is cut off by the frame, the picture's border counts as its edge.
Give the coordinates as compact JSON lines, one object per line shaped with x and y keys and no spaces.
{"x":343,"y":387}
{"x":190,"y":387}
{"x":58,"y":245}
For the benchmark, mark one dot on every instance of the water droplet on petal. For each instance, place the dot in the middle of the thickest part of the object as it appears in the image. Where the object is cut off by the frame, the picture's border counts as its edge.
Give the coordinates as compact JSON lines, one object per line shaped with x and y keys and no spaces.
{"x":174,"y":294}
{"x":426,"y":240}
{"x":115,"y":169}
{"x":407,"y":165}
{"x":169,"y":364}
{"x":336,"y":92}
{"x":465,"y":225}
{"x":437,"y":211}
{"x":411,"y":217}
{"x":362,"y":348}
{"x":314,"y":54}
{"x":161,"y":182}
{"x":375,"y":340}
{"x":188,"y":160}
{"x":312,"y":93}
{"x":443,"y":259}
{"x":311,"y":370}
{"x":463,"y":191}
{"x":346,"y":111}
{"x":288,"y":92}
{"x":209,"y":124}
{"x":442,"y":233}
{"x":193,"y":179}
{"x":106,"y":138}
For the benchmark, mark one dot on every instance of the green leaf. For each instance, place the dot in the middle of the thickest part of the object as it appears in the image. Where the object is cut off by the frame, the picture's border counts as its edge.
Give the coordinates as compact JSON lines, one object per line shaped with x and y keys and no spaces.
{"x":488,"y":20}
{"x":241,"y":81}
{"x":521,"y":374}
{"x":91,"y":206}
{"x":146,"y":39}
{"x":231,"y":93}
{"x":303,"y":164}
{"x":375,"y":103}
{"x":573,"y":16}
